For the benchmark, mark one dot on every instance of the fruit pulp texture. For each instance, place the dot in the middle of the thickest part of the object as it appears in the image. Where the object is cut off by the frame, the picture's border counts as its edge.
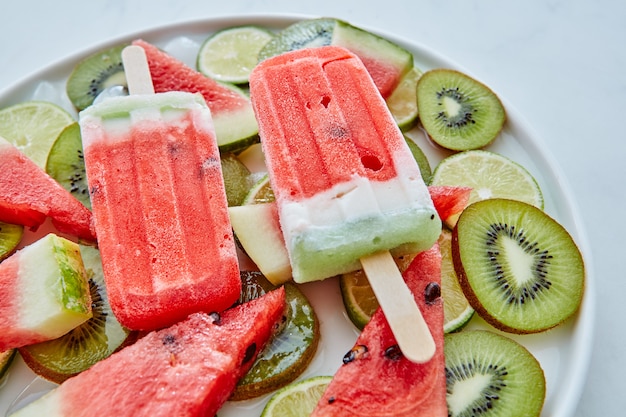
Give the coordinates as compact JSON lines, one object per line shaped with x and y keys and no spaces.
{"x":160,"y":212}
{"x":344,"y":178}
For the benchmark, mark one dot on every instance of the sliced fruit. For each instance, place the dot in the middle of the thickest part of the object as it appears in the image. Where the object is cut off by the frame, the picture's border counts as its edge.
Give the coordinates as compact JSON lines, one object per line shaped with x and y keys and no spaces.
{"x":10,"y":237}
{"x":458,"y":112}
{"x":519,"y":269}
{"x":258,"y":231}
{"x":375,"y":378}
{"x":491,"y":375}
{"x":237,"y":181}
{"x":28,"y":195}
{"x":489,"y":175}
{"x":230,"y":54}
{"x":261,"y":192}
{"x":6,"y":359}
{"x":297,"y":399}
{"x":292,"y":347}
{"x":386,"y":62}
{"x":233,"y":117}
{"x":66,"y":163}
{"x":449,"y":200}
{"x":421,"y":159}
{"x":59,"y":359}
{"x":33,"y":126}
{"x":457,"y":311}
{"x":45,"y":292}
{"x":94,"y":74}
{"x":402,"y":102}
{"x":188,"y":369}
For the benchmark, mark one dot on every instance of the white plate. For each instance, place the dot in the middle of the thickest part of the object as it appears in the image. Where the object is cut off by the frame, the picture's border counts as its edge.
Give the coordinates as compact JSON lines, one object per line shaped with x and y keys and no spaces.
{"x":564,"y":352}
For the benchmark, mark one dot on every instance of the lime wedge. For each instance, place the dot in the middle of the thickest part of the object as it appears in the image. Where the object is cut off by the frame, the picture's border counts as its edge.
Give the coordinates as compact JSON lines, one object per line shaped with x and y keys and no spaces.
{"x":297,"y":399}
{"x":403,"y":101}
{"x":33,"y":126}
{"x":261,"y":192}
{"x":457,"y":311}
{"x":6,"y":358}
{"x":10,"y":237}
{"x":230,"y":54}
{"x":490,"y":175}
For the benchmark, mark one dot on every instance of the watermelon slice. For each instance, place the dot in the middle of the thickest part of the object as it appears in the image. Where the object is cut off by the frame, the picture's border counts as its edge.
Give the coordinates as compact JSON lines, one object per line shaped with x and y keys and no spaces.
{"x":376,"y":380}
{"x":28,"y":196}
{"x":449,"y":200}
{"x":233,"y":117}
{"x":188,"y":369}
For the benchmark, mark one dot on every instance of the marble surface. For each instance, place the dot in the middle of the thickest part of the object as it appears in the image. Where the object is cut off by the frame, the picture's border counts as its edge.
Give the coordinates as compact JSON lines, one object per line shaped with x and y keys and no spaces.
{"x":559,"y":62}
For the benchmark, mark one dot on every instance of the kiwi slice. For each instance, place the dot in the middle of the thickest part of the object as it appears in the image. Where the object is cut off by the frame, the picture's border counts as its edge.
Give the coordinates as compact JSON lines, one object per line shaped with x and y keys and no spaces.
{"x":491,"y":375}
{"x":10,"y":237}
{"x":237,"y":180}
{"x":94,"y":340}
{"x":519,"y":269}
{"x":457,"y":111}
{"x":66,"y":163}
{"x":303,"y":34}
{"x":94,"y":74}
{"x":291,"y":349}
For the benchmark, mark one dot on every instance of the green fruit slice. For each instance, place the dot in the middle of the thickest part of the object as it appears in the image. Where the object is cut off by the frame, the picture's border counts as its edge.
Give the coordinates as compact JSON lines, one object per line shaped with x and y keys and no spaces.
{"x":458,"y":112}
{"x":421,"y":159}
{"x":94,"y":74}
{"x":260,"y":192}
{"x":298,"y":399}
{"x":6,"y":358}
{"x":33,"y":126}
{"x":489,"y":375}
{"x":66,"y":163}
{"x":94,"y":340}
{"x":403,"y":101}
{"x":230,"y":55}
{"x":237,"y":180}
{"x":457,"y":311}
{"x":291,"y":349}
{"x":10,"y":236}
{"x":519,"y":269}
{"x":489,"y":175}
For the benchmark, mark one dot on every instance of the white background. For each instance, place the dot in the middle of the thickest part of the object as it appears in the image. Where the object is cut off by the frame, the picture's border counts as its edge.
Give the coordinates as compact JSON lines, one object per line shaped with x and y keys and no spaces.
{"x":561,"y":63}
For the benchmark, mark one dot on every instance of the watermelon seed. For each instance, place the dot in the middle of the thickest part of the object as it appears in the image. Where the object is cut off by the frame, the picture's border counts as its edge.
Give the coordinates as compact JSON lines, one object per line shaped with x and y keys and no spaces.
{"x":357,"y":352}
{"x":250,"y":351}
{"x":169,"y":339}
{"x":393,"y":352}
{"x":217,"y":319}
{"x":331,"y":400}
{"x":432,"y":293}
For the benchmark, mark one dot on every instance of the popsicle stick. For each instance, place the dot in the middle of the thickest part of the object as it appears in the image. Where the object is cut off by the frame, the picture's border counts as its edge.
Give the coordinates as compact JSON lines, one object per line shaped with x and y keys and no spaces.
{"x":401,"y":310}
{"x":137,"y":71}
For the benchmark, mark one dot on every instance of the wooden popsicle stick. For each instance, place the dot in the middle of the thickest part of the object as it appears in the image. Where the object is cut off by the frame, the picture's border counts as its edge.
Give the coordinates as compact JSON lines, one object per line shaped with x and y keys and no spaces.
{"x":137,"y":71}
{"x":397,"y":302}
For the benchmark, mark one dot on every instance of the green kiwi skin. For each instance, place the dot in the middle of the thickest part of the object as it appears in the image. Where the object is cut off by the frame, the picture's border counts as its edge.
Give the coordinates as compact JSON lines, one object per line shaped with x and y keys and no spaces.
{"x":559,"y":310}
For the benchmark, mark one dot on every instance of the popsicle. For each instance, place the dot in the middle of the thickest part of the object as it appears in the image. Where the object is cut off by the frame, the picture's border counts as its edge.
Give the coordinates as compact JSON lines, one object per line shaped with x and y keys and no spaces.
{"x":347,"y":187}
{"x":159,"y":204}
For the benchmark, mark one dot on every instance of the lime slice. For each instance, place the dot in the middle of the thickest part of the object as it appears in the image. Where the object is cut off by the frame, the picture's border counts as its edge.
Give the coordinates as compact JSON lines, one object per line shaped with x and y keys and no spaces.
{"x":33,"y":126}
{"x":457,"y":311}
{"x":403,"y":101}
{"x":10,"y":237}
{"x":230,"y":54}
{"x":490,"y":175}
{"x":6,"y":358}
{"x":298,"y":399}
{"x":261,"y":192}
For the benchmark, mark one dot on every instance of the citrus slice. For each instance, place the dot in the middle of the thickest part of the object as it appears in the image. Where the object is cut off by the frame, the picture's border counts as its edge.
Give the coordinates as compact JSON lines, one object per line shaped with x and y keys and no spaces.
{"x":490,"y":175}
{"x":10,"y":237}
{"x":297,"y":399}
{"x":230,"y":54}
{"x":33,"y":126}
{"x":403,"y":101}
{"x":261,"y":192}
{"x":457,"y":311}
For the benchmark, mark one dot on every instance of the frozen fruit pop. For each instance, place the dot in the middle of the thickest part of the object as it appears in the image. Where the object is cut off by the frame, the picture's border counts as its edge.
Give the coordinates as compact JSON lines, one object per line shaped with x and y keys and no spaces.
{"x":159,"y":205}
{"x":347,"y":187}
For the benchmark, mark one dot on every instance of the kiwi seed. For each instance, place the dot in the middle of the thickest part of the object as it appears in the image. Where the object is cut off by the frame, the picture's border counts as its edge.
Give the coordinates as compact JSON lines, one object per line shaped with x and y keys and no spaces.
{"x":518,"y":268}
